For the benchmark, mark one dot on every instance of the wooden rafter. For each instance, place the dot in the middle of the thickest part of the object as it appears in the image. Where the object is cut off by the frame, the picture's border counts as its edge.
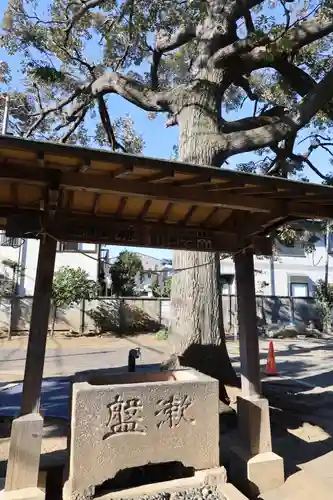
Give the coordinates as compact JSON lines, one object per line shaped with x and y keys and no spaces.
{"x":166,"y":212}
{"x":209,"y":217}
{"x":97,"y":202}
{"x":159,"y":176}
{"x":123,"y":169}
{"x":14,"y":194}
{"x":121,"y":206}
{"x":145,"y":209}
{"x":188,"y":216}
{"x":41,"y":159}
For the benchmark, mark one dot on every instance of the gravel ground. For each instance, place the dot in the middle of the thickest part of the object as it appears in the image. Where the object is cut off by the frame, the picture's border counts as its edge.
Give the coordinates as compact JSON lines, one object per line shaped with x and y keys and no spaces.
{"x":205,"y":493}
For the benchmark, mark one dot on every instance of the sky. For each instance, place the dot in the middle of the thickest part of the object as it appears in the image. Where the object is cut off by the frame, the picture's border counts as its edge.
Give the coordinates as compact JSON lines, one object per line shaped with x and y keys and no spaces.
{"x":159,"y":141}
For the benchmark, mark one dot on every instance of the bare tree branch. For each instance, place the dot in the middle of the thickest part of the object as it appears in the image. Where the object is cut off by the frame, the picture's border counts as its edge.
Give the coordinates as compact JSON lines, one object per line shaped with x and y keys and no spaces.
{"x":304,"y":158}
{"x":52,"y":109}
{"x":71,"y":129}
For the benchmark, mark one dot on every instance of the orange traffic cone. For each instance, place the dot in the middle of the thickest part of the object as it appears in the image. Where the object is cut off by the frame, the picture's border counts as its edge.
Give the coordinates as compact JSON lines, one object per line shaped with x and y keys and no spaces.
{"x":271,"y":366}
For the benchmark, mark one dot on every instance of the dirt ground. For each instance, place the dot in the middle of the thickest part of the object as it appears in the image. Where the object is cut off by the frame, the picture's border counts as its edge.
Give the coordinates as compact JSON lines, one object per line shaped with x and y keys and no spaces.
{"x":301,"y":414}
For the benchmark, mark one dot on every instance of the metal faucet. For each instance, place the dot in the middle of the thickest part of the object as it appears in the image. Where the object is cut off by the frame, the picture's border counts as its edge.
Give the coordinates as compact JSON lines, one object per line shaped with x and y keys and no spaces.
{"x":133,"y":355}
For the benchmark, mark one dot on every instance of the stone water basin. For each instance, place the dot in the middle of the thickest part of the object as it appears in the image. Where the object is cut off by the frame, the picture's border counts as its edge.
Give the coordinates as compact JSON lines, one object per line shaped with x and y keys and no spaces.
{"x":124,"y":420}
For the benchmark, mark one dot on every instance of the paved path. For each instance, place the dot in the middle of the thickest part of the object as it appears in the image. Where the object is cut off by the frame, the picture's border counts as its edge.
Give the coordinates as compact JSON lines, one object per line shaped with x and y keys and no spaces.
{"x":62,"y":360}
{"x":310,"y":361}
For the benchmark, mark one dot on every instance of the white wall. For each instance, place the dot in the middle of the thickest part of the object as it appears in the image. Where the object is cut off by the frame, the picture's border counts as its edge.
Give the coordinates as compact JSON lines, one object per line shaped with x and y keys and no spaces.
{"x":28,"y":255}
{"x":277,"y":274}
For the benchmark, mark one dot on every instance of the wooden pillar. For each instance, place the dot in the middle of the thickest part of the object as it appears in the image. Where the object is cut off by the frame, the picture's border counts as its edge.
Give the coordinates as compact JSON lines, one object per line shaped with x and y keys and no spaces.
{"x":34,"y":364}
{"x":247,"y":323}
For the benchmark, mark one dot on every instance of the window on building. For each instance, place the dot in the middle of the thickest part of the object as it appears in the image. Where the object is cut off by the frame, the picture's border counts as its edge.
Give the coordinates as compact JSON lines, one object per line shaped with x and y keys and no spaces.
{"x":226,"y":283}
{"x":149,"y":274}
{"x":295,"y":250}
{"x":74,"y":246}
{"x":6,"y":241}
{"x":67,"y":246}
{"x":299,"y":286}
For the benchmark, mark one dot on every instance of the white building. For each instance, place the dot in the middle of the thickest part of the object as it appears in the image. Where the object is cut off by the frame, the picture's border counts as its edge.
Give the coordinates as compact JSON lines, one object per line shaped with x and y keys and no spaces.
{"x":293,"y":272}
{"x":154,"y":270}
{"x":24,"y":252}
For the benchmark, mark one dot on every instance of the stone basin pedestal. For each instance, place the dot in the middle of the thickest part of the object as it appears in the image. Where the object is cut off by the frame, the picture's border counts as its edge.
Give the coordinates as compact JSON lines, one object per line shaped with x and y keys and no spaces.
{"x":121,"y":421}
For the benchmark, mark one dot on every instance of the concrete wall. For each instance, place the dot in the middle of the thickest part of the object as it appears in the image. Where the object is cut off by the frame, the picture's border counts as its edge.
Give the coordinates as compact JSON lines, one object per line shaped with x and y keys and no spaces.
{"x":149,"y":314}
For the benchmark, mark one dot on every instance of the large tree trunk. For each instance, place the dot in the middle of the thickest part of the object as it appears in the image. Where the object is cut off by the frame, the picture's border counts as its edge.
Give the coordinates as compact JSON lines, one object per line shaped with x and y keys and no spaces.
{"x":197,"y":333}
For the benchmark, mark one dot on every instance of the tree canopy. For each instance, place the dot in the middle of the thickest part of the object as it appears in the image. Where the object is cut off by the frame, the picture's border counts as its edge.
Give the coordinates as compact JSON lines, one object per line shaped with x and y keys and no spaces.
{"x":272,"y":58}
{"x":71,"y":285}
{"x":123,"y":273}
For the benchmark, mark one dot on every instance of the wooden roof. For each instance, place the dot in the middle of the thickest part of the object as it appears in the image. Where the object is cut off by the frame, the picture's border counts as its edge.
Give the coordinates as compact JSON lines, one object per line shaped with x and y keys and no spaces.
{"x":125,"y":188}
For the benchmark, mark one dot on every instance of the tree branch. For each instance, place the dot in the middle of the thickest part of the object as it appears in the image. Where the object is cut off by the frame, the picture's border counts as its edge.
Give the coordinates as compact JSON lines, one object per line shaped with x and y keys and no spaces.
{"x":52,"y":109}
{"x":249,"y":140}
{"x":300,"y":81}
{"x":305,"y":33}
{"x":71,"y":129}
{"x":250,"y":123}
{"x":254,"y":50}
{"x":304,"y":158}
{"x":89,"y":4}
{"x":107,"y":125}
{"x":133,"y":91}
{"x":166,"y":44}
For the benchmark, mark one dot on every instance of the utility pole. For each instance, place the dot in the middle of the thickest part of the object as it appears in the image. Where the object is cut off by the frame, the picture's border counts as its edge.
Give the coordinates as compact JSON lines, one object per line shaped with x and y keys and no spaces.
{"x":5,"y":116}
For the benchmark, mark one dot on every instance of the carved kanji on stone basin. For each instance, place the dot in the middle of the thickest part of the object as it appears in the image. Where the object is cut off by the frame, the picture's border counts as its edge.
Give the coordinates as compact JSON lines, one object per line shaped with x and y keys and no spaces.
{"x":132,"y":419}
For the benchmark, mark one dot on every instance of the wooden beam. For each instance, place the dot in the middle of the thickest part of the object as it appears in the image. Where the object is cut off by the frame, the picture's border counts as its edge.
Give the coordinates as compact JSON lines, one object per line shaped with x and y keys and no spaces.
{"x":247,"y":321}
{"x":34,"y":364}
{"x":112,"y":158}
{"x":85,"y":166}
{"x":107,"y":230}
{"x":105,"y":183}
{"x":123,"y":169}
{"x":189,"y":214}
{"x":159,"y":176}
{"x":195,"y":181}
{"x":159,"y":191}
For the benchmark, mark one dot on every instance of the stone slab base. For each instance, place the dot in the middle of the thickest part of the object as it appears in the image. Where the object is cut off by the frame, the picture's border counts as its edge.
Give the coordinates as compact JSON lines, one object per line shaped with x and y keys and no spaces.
{"x":211,"y":477}
{"x":302,"y":486}
{"x":41,"y":481}
{"x":23,"y":494}
{"x":230,"y":492}
{"x":255,"y":474}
